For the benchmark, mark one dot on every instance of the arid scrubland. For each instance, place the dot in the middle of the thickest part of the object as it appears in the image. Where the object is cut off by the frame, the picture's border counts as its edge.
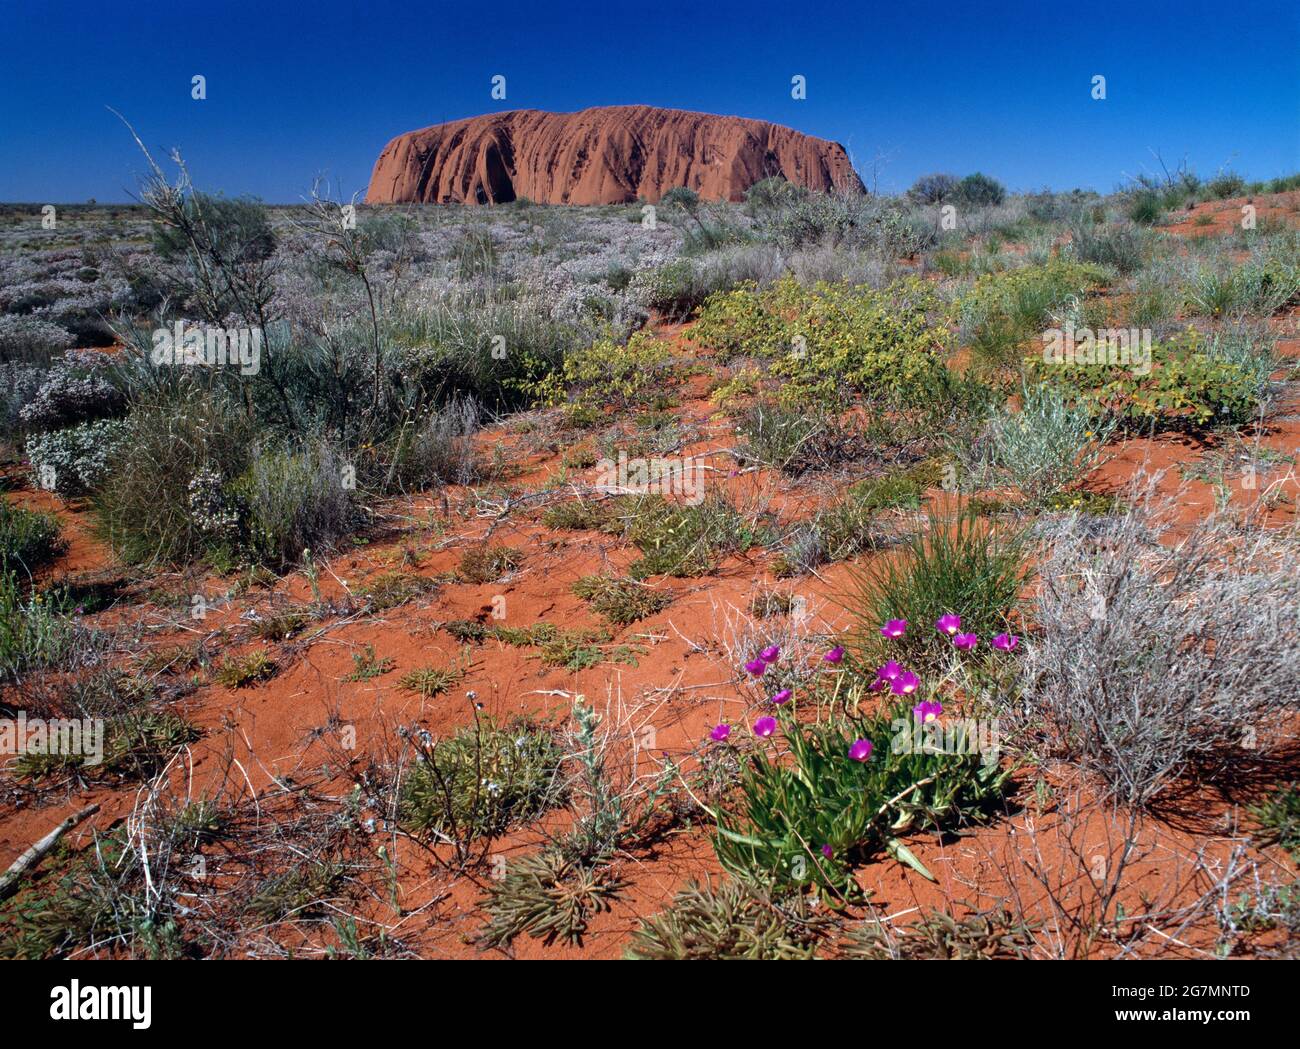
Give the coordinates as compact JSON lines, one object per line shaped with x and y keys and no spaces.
{"x":840,"y":576}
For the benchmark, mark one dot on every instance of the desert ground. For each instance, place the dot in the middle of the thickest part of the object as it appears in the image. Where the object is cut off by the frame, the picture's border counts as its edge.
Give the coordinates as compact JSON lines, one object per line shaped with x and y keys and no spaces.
{"x":532,"y":583}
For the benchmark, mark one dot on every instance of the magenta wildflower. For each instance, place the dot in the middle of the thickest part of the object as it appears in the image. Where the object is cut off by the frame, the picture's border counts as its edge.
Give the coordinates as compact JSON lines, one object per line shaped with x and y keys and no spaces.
{"x":894,"y":628}
{"x":834,"y":656}
{"x":965,"y":642}
{"x":886,"y":675}
{"x":770,"y":654}
{"x":1006,"y":642}
{"x":905,"y":684}
{"x":764,"y":727}
{"x":756,"y":667}
{"x":889,"y":672}
{"x":861,"y":750}
{"x":782,"y":696}
{"x":827,"y":851}
{"x":948,"y":624}
{"x":719,"y":733}
{"x":927,"y":711}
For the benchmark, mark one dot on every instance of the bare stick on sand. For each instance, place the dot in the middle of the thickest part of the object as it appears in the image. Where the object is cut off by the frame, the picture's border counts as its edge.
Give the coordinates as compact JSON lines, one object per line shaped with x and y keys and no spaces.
{"x":33,"y":856}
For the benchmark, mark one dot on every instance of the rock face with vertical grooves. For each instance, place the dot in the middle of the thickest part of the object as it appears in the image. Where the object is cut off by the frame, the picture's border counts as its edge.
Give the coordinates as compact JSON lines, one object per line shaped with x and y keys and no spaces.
{"x":607,"y":155}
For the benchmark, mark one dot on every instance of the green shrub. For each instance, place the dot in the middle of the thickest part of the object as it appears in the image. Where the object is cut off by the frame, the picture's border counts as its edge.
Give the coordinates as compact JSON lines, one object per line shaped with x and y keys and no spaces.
{"x":833,"y":342}
{"x":1214,"y":291}
{"x":293,"y":501}
{"x":1192,"y":384}
{"x":28,"y":538}
{"x":807,"y":817}
{"x":1145,"y":207}
{"x":980,"y":190}
{"x":606,"y":373}
{"x":482,"y":780}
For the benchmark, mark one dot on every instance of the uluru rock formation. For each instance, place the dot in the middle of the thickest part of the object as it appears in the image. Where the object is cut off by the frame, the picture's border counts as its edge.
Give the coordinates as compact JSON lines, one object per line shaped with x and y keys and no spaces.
{"x":605,"y":155}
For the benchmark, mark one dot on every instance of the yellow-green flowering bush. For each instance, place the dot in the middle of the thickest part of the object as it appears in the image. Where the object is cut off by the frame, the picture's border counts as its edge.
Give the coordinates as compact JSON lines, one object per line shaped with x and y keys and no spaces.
{"x":1187,"y":386}
{"x":833,"y":344}
{"x":609,"y":373}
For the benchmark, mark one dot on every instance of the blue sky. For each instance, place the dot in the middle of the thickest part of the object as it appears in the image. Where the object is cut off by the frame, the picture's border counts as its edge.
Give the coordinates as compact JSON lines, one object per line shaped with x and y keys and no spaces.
{"x":318,"y":89}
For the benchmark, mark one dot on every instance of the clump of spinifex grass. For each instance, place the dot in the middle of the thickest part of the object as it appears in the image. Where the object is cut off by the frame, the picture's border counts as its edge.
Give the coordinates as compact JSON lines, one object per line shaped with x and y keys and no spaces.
{"x":621,"y":601}
{"x":242,"y":671}
{"x":959,"y":565}
{"x":430,"y":681}
{"x":687,"y":540}
{"x":482,"y":780}
{"x":487,"y":564}
{"x":28,"y":539}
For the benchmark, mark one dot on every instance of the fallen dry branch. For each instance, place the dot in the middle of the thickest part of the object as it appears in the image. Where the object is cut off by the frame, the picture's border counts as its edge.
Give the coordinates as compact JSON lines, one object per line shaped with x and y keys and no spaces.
{"x":34,"y":855}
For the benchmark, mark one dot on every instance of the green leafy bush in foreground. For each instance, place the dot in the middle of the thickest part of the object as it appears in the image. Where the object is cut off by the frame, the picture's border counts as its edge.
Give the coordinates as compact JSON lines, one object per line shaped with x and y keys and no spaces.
{"x":481,"y":780}
{"x":808,"y":815}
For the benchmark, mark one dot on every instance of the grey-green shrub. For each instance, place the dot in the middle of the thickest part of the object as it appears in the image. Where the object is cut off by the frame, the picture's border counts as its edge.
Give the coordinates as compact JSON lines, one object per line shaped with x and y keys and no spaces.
{"x":1041,"y":450}
{"x":294,"y":500}
{"x":144,"y":508}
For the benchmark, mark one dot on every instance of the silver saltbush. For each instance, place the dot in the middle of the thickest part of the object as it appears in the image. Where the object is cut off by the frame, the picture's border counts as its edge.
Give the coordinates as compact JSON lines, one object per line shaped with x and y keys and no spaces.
{"x":1158,"y":658}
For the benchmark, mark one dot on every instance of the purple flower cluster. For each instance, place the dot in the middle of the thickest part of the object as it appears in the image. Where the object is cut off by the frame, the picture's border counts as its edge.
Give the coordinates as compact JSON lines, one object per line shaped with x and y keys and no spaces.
{"x":766,"y":726}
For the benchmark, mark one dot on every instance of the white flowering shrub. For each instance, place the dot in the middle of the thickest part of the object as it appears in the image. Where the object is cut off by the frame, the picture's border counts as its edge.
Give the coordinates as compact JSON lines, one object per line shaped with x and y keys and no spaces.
{"x":31,"y":338}
{"x":75,"y":460}
{"x":75,"y":390}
